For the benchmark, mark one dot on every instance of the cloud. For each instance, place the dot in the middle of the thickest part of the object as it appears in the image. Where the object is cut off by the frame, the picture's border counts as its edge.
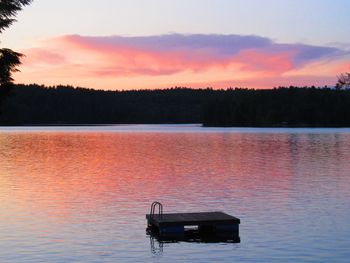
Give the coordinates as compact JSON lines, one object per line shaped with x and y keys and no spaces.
{"x":168,"y":54}
{"x":40,"y":56}
{"x":113,"y":57}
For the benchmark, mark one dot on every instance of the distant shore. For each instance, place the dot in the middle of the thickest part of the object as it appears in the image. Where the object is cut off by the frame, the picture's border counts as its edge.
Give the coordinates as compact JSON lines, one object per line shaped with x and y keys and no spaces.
{"x":172,"y":124}
{"x":292,"y":107}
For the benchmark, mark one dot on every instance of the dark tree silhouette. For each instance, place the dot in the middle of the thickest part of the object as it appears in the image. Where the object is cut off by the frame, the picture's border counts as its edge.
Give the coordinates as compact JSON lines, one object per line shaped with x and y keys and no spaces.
{"x":9,"y":59}
{"x":9,"y":10}
{"x":343,"y":80}
{"x":287,"y":107}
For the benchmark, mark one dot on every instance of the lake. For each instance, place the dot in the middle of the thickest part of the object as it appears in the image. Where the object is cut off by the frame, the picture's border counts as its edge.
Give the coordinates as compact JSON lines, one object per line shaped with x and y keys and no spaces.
{"x":80,"y":194}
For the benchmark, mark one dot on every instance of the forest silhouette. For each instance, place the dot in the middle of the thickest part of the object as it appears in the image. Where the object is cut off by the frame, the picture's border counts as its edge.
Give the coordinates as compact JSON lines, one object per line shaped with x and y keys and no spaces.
{"x":279,"y":107}
{"x":66,"y":105}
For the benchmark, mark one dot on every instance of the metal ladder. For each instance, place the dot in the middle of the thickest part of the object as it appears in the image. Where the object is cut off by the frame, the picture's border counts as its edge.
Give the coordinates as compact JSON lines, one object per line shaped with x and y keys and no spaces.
{"x":153,"y":209}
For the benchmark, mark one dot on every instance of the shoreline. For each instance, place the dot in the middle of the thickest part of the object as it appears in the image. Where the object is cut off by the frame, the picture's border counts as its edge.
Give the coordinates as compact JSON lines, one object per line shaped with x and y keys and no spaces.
{"x":176,"y":124}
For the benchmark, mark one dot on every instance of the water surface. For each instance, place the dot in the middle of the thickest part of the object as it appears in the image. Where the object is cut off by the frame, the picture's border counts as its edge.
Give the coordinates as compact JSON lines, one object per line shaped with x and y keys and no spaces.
{"x":80,"y":194}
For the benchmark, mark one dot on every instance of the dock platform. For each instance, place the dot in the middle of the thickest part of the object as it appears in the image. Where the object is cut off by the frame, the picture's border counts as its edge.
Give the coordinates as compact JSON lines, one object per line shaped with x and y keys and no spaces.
{"x":217,"y":224}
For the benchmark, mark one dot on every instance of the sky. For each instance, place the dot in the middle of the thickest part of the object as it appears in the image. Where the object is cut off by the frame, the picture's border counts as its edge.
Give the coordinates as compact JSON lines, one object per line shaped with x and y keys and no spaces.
{"x":149,"y":44}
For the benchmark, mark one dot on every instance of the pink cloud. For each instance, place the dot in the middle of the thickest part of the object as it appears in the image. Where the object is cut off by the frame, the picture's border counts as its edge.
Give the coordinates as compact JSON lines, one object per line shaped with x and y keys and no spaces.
{"x":121,"y":59}
{"x":171,"y":56}
{"x":35,"y":56}
{"x":256,"y":60}
{"x":343,"y":67}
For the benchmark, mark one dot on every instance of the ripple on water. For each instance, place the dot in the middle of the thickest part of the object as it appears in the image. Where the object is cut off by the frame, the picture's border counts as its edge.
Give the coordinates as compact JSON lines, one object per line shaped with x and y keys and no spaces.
{"x":81,"y":195}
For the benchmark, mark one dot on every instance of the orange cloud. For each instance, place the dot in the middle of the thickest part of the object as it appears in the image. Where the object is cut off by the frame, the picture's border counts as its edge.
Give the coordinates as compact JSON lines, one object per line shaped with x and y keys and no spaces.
{"x":343,"y":67}
{"x":39,"y":56}
{"x":162,"y":61}
{"x":255,"y":60}
{"x":120,"y":59}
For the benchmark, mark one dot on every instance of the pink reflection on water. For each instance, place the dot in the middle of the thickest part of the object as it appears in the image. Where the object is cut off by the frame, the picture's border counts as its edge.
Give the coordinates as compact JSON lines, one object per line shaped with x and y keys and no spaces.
{"x":62,"y":175}
{"x":65,"y":192}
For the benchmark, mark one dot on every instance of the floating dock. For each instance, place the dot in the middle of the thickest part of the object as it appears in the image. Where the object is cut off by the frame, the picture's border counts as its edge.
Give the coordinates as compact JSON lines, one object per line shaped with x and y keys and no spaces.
{"x":212,"y":225}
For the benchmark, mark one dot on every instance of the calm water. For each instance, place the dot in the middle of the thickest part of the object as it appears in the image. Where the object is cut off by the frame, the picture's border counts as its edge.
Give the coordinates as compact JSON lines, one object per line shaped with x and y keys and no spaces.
{"x":81,"y":194}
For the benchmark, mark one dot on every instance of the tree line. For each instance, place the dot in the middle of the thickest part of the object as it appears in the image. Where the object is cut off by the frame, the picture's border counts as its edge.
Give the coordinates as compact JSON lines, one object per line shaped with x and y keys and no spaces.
{"x":281,"y":107}
{"x":34,"y":104}
{"x":66,"y":105}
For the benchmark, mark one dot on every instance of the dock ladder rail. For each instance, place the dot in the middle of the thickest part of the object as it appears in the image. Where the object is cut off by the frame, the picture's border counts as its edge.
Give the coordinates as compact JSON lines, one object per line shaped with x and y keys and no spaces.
{"x":153,"y":209}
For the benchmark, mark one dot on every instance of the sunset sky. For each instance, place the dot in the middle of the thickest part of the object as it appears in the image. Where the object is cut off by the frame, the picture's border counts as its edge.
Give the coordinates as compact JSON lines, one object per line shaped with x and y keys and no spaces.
{"x":137,"y":44}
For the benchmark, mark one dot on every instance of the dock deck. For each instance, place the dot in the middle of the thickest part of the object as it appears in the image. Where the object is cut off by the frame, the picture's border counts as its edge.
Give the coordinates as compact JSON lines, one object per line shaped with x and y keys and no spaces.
{"x":194,"y":226}
{"x":190,"y":219}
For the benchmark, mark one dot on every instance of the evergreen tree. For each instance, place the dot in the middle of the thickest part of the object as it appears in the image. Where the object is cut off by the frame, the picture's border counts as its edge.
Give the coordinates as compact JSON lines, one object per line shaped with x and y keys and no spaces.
{"x":9,"y":10}
{"x":9,"y":59}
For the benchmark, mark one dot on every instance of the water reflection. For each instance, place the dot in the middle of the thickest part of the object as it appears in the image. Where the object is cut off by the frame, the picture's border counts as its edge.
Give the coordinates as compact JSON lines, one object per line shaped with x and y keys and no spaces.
{"x":195,"y":237}
{"x":157,"y":247}
{"x":157,"y":242}
{"x":89,"y":192}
